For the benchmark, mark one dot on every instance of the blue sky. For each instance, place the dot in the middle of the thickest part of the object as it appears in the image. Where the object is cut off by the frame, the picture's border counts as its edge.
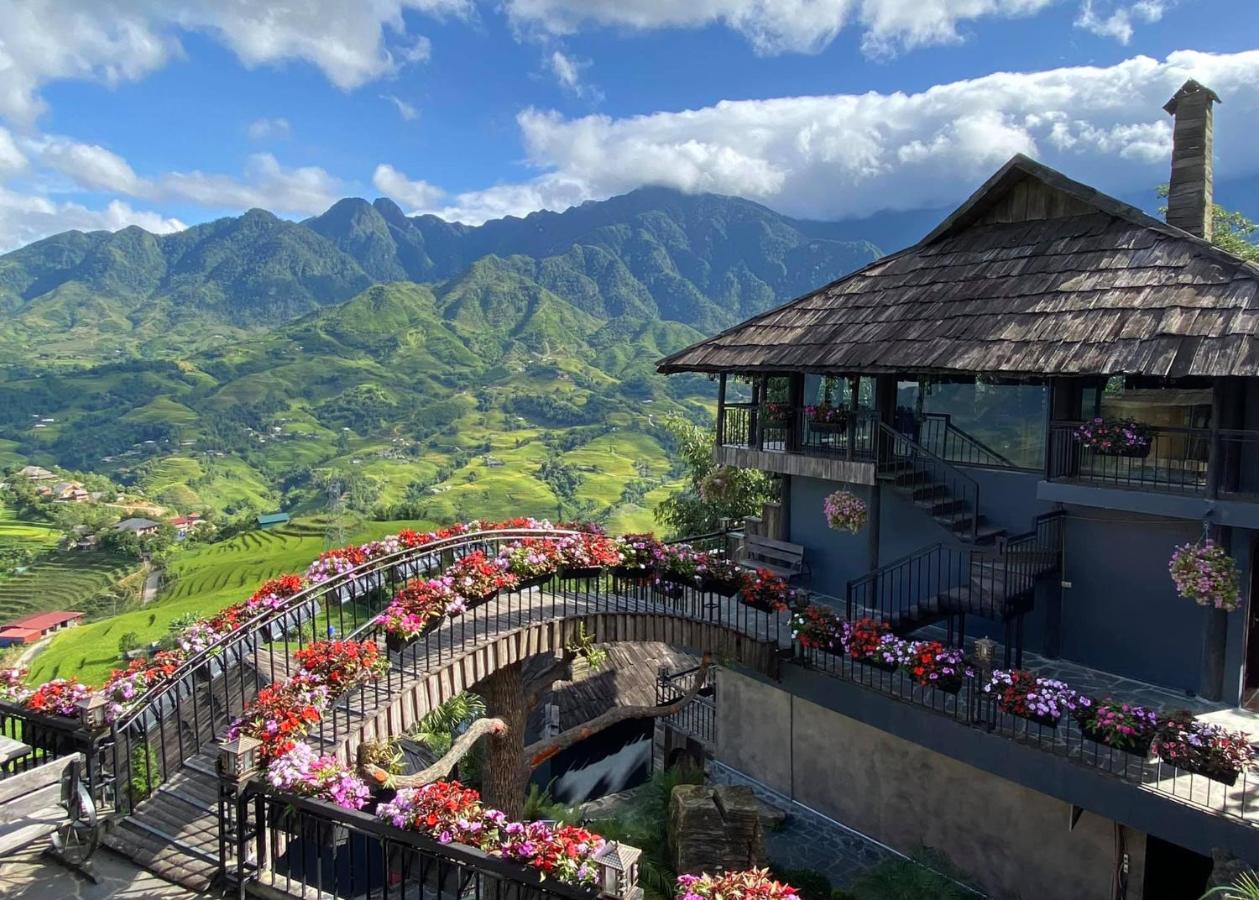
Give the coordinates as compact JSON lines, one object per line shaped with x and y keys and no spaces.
{"x":128,"y":112}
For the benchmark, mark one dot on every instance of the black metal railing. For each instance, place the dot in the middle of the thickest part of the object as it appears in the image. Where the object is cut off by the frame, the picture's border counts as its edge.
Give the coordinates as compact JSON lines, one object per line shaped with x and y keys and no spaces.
{"x":306,"y":847}
{"x":943,"y":438}
{"x":698,"y":719}
{"x":1175,"y":460}
{"x":189,"y":712}
{"x":973,"y":707}
{"x":945,"y":582}
{"x":949,"y":494}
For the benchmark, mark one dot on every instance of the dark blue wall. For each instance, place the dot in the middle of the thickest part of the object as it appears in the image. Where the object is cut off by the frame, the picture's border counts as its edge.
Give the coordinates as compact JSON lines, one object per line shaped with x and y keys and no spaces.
{"x":1121,"y":613}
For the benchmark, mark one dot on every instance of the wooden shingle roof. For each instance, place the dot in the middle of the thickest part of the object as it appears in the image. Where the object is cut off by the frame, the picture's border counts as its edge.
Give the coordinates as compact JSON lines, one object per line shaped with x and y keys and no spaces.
{"x":1034,"y":274}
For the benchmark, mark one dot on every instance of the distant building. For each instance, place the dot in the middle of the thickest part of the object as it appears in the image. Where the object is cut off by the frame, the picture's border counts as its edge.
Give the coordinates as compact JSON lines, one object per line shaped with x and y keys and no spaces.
{"x":30,"y":629}
{"x":271,"y":520}
{"x":185,"y":524}
{"x":36,"y":473}
{"x":138,"y":526}
{"x":68,"y":492}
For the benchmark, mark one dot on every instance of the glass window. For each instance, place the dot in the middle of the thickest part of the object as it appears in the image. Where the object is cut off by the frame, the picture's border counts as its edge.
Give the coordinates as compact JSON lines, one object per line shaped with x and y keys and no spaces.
{"x":984,"y":422}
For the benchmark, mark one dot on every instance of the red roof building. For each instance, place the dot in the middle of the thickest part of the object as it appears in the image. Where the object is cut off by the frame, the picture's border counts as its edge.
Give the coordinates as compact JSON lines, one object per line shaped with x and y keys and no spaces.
{"x":30,"y":629}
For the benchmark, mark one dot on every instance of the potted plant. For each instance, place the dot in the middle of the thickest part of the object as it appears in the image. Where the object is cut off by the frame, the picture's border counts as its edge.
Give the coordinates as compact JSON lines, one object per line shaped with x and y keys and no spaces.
{"x":765,"y":591}
{"x":826,"y":417}
{"x":845,"y":511}
{"x":719,"y":575}
{"x":477,"y":578}
{"x":532,"y":562}
{"x":680,"y":564}
{"x":871,"y":641}
{"x":746,"y":885}
{"x":1203,"y":748}
{"x":1205,"y":574}
{"x":341,"y":665}
{"x":1027,"y":696}
{"x":1123,"y":726}
{"x":819,"y":628}
{"x":1116,"y":437}
{"x":586,"y":555}
{"x":638,"y":556}
{"x":934,"y":664}
{"x":418,"y":609}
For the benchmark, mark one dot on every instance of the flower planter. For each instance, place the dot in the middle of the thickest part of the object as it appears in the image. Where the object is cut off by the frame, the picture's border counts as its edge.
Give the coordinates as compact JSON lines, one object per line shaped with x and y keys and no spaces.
{"x":1140,"y":747}
{"x":1223,"y":774}
{"x":669,"y":590}
{"x":950,"y":685}
{"x":877,"y":664}
{"x":581,"y":573}
{"x":480,"y":598}
{"x":828,"y":427}
{"x":632,"y":573}
{"x":1126,"y":452}
{"x":396,"y":643}
{"x":526,"y":584}
{"x":1045,"y":721}
{"x":724,"y":587}
{"x":680,"y":579}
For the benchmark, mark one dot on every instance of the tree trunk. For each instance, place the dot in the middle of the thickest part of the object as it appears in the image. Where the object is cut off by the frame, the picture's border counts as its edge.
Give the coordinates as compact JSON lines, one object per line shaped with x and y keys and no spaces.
{"x":505,"y":776}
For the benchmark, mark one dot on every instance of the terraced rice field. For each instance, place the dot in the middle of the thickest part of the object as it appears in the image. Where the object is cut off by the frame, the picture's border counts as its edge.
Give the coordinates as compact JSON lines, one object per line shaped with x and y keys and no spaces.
{"x":60,"y":581}
{"x":19,"y":533}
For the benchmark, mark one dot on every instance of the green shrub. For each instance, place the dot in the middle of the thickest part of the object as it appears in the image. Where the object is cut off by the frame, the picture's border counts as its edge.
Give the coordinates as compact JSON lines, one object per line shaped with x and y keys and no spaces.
{"x":146,"y":772}
{"x":909,"y":879}
{"x":128,"y":642}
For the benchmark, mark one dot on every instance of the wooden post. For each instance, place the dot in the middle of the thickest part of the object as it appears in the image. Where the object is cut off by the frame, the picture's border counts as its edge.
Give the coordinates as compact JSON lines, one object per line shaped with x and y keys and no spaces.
{"x":795,"y":400}
{"x":758,"y":401}
{"x":721,"y":409}
{"x":885,"y":409}
{"x":854,"y":403}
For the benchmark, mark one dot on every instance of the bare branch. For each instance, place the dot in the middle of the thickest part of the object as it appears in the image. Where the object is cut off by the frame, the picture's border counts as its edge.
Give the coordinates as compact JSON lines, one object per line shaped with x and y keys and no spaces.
{"x":539,"y":752}
{"x":440,"y":769}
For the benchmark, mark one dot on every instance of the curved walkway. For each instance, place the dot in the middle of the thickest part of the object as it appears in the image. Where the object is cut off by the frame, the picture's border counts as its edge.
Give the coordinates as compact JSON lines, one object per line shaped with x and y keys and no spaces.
{"x":175,"y":831}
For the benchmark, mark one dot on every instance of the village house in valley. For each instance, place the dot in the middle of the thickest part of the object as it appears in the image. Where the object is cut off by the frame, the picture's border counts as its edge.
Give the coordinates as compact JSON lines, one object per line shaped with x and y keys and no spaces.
{"x":1037,"y":404}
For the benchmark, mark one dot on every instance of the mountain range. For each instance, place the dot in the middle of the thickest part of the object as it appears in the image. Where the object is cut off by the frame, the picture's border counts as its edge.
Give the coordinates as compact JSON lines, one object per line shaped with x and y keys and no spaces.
{"x":432,"y":367}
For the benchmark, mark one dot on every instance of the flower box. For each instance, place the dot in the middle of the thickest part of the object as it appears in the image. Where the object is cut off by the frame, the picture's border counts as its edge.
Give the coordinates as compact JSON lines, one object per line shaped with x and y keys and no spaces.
{"x":1203,"y":748}
{"x":726,"y":587}
{"x":1120,"y":726}
{"x":871,"y":642}
{"x":932,"y":664}
{"x":1025,"y":695}
{"x":828,"y":427}
{"x":580,"y":573}
{"x":1117,"y":437}
{"x":633,"y":573}
{"x":527,"y":584}
{"x":765,"y":591}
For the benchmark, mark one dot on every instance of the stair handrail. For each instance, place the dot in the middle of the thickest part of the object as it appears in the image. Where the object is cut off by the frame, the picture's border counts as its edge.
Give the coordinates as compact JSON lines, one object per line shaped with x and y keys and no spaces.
{"x":969,"y":486}
{"x":999,"y":460}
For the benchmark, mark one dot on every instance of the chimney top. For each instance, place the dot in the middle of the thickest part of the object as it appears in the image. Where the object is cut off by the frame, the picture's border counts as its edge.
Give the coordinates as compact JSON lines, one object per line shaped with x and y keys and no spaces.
{"x":1188,"y":89}
{"x":1189,"y":195}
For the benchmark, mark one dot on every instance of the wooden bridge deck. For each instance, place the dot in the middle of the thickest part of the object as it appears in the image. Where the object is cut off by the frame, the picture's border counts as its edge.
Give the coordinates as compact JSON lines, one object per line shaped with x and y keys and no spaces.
{"x":174,"y":833}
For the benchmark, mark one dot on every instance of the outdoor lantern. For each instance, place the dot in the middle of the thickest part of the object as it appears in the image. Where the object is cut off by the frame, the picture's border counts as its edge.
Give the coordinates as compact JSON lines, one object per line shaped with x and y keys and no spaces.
{"x":618,"y":870}
{"x":985,"y":654}
{"x":92,"y":710}
{"x":239,"y":757}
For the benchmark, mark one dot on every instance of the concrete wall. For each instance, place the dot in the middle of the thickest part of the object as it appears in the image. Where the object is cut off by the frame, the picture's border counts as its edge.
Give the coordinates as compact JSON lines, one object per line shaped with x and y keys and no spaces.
{"x":1015,"y":841}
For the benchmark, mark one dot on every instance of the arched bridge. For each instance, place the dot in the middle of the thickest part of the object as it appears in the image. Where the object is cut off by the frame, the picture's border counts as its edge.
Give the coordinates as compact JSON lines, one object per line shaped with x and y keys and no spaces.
{"x":155,"y":767}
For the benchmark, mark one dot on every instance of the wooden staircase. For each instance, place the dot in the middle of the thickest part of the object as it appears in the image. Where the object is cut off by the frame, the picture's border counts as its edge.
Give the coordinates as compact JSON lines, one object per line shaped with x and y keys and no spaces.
{"x":950,"y":508}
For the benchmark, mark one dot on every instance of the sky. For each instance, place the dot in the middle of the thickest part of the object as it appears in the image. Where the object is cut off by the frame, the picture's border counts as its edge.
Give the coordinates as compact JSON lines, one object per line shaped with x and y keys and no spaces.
{"x":165,"y":114}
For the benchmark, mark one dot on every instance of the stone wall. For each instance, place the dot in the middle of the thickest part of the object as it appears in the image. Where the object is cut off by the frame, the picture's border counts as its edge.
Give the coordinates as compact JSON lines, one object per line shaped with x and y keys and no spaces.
{"x":1016,"y":842}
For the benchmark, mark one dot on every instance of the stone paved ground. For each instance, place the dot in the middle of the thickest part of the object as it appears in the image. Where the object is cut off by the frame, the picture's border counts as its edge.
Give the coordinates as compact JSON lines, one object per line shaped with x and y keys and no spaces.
{"x":29,"y":875}
{"x":808,"y":840}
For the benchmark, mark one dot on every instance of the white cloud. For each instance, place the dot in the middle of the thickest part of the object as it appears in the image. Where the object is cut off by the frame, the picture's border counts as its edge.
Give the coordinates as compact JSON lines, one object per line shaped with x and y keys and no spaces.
{"x":1115,"y":20}
{"x":113,"y":41}
{"x":408,"y":112}
{"x":776,"y":26}
{"x":91,"y":166}
{"x":11,"y":158}
{"x":25,"y":218}
{"x":305,"y":190}
{"x":568,"y":73}
{"x":852,"y":154}
{"x":276,"y":129}
{"x":417,"y":196}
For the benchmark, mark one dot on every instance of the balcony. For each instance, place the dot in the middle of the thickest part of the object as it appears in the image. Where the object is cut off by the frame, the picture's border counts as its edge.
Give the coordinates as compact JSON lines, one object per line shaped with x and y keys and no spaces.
{"x":774,"y":437}
{"x":1182,"y":472}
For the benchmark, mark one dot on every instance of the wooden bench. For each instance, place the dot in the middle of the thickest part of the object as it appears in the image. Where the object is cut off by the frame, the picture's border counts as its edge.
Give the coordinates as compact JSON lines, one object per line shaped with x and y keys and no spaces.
{"x":783,"y":558}
{"x":50,"y":800}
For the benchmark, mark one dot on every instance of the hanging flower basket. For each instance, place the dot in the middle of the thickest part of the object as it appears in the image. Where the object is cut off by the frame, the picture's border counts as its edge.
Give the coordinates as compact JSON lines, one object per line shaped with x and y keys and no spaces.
{"x":1205,"y":574}
{"x":845,"y":511}
{"x":1116,"y":437}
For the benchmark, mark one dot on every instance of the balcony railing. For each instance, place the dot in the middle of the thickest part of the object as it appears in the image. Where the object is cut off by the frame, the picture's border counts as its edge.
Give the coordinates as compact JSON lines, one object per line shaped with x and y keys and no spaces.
{"x":778,"y":427}
{"x":1196,"y":461}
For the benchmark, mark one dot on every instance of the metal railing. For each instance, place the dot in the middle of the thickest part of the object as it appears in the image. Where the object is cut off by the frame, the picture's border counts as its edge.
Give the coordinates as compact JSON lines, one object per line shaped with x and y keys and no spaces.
{"x":955,"y":495}
{"x":190,"y":711}
{"x":1175,"y":460}
{"x":310,"y":848}
{"x":972,"y":706}
{"x":947,"y":582}
{"x":698,"y":719}
{"x":939,"y":435}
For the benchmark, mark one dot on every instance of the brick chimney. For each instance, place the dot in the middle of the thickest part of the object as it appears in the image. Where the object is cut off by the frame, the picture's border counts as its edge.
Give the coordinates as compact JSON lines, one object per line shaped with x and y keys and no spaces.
{"x":1189,"y":197}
